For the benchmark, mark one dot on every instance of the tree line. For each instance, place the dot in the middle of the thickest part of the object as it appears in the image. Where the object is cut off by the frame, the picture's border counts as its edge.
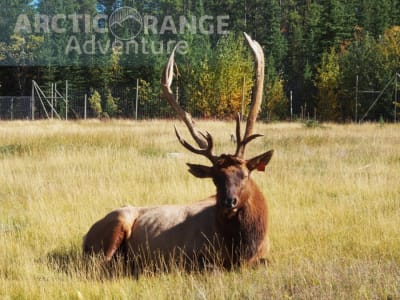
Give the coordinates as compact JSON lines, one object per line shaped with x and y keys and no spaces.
{"x":316,"y":53}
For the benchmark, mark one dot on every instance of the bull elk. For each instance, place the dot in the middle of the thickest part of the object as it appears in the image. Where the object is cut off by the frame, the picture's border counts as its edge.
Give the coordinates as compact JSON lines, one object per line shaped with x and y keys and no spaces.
{"x":228,"y":229}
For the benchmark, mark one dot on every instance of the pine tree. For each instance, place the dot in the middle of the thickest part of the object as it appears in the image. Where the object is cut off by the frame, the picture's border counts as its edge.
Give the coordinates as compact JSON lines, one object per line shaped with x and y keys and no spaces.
{"x":389,"y":47}
{"x":232,"y":64}
{"x":337,"y":25}
{"x":271,"y":35}
{"x":111,"y":105}
{"x":294,"y":63}
{"x":362,"y":58}
{"x":18,"y":47}
{"x":95,"y":104}
{"x":375,"y":16}
{"x":327,"y":82}
{"x":276,"y":102}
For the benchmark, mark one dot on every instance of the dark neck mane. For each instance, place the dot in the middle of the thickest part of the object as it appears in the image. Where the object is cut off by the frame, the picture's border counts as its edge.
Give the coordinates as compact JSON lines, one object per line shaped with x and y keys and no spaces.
{"x":245,"y":231}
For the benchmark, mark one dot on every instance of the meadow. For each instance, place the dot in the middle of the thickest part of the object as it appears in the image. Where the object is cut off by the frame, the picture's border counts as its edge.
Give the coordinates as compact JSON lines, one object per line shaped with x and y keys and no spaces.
{"x":333,"y":192}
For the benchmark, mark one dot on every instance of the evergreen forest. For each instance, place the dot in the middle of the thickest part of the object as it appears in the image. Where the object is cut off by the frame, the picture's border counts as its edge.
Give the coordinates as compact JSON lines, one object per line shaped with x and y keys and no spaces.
{"x":321,"y":56}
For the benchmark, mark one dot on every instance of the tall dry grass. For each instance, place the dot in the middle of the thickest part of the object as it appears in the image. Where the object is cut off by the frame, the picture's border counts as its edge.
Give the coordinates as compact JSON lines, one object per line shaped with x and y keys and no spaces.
{"x":333,"y":191}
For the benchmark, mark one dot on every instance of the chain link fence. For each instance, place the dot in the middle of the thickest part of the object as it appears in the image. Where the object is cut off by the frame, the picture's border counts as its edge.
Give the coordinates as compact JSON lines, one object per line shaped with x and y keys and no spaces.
{"x":77,"y":104}
{"x":15,"y":107}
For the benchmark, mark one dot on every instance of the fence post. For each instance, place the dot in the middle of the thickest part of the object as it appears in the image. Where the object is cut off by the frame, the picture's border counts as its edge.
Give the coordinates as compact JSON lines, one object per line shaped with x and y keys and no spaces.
{"x":66,"y":100}
{"x":85,"y":108}
{"x":356,"y":106}
{"x":395,"y":98}
{"x":12,"y":108}
{"x":33,"y":103}
{"x":291,"y":105}
{"x":137,"y":98}
{"x":52,"y":100}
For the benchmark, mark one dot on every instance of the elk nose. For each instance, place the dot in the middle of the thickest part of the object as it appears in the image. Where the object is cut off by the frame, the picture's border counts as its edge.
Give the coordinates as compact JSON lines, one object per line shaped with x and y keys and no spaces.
{"x":231,"y":202}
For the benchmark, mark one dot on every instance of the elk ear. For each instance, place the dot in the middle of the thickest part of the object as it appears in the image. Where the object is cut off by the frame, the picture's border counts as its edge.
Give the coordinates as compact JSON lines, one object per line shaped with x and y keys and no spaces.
{"x":200,"y":171}
{"x":259,"y":162}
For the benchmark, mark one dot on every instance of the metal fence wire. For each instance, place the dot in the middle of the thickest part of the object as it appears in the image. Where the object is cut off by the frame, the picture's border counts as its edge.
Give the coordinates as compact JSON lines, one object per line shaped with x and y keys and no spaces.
{"x":78,"y":107}
{"x":45,"y":104}
{"x":15,"y":107}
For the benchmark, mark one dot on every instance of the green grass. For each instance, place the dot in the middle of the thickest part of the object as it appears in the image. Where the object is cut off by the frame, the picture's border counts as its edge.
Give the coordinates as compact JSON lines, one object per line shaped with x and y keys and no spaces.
{"x":333,"y":192}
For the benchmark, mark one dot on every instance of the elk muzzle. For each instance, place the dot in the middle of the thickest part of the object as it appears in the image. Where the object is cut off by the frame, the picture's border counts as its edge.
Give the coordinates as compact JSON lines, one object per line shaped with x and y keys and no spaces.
{"x":230,"y":202}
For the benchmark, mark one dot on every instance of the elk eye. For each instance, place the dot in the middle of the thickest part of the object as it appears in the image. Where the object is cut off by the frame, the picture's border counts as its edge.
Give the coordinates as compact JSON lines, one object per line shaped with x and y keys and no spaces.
{"x":218,"y":179}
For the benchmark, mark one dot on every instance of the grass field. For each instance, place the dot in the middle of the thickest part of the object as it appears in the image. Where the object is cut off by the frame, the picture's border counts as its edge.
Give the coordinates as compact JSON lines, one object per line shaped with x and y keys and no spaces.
{"x":333,"y":192}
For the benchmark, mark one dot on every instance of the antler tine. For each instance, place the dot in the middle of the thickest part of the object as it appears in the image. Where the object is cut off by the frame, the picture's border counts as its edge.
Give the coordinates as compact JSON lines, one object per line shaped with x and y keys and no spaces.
{"x":241,"y":144}
{"x":207,"y":151}
{"x":166,"y":81}
{"x":258,"y":87}
{"x":238,"y":137}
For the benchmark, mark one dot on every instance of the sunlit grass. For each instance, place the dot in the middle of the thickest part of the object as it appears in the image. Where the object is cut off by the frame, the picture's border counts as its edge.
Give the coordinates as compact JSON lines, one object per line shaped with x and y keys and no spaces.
{"x":333,"y":193}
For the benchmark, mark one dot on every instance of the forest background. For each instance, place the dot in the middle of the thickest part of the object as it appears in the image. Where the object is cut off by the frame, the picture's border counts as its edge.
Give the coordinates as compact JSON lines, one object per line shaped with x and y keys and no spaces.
{"x":317,"y":53}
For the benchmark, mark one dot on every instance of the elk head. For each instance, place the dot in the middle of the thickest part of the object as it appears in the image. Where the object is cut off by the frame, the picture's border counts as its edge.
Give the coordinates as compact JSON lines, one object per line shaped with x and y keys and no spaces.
{"x":229,"y":172}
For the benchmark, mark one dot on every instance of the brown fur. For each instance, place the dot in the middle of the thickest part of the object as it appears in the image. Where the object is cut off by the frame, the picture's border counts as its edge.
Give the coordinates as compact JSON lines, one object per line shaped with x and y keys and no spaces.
{"x":245,"y":232}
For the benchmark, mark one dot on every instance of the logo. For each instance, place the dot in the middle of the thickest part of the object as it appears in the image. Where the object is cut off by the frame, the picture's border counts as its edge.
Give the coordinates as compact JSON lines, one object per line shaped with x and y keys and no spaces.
{"x":125,"y":23}
{"x":87,"y":34}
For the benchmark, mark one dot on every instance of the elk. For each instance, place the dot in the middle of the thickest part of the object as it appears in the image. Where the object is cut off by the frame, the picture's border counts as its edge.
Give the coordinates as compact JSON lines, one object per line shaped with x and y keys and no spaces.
{"x":228,"y":229}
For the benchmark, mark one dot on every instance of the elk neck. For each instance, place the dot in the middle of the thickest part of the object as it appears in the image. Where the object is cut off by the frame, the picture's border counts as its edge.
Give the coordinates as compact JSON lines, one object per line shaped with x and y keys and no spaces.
{"x":244,"y":230}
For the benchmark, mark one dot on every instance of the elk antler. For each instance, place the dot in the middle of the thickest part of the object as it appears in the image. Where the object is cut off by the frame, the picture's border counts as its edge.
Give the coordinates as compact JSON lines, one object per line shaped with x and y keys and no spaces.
{"x":207,"y":151}
{"x":258,"y":87}
{"x":166,"y":81}
{"x":204,"y":141}
{"x":256,"y":98}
